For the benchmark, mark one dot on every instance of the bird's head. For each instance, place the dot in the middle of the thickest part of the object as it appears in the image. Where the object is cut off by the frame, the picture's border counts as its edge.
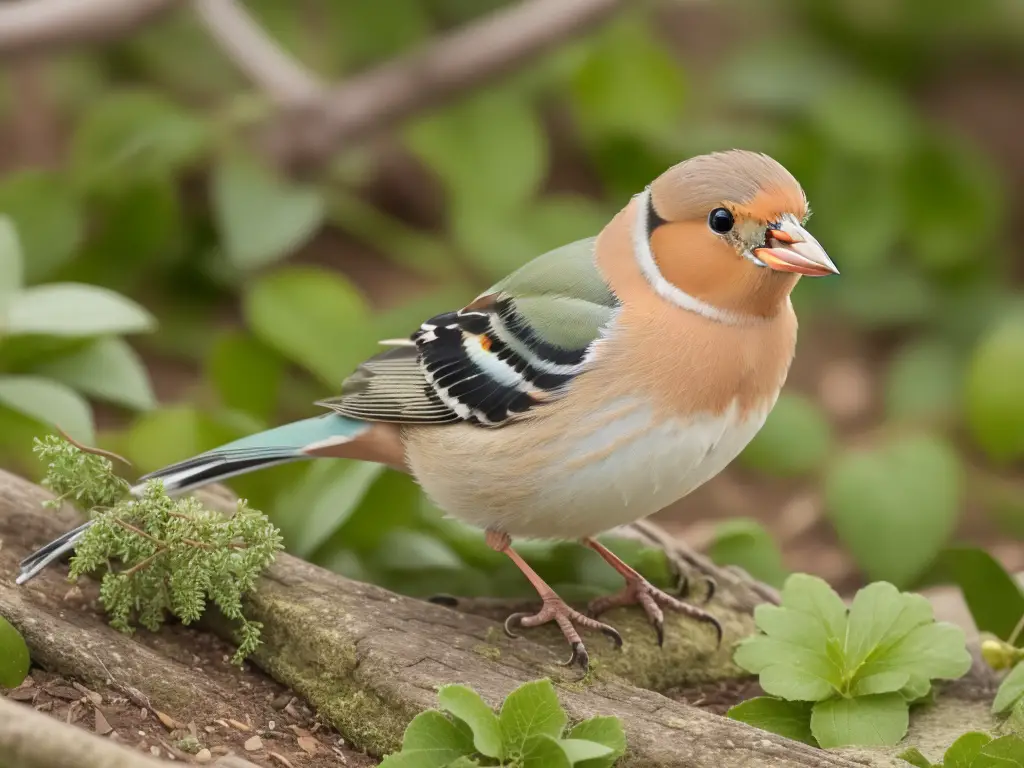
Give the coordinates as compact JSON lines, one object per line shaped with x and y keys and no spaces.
{"x":727,"y":230}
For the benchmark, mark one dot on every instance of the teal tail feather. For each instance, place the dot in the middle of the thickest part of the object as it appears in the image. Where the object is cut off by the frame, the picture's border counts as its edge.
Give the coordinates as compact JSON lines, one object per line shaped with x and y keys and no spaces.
{"x":265,"y":449}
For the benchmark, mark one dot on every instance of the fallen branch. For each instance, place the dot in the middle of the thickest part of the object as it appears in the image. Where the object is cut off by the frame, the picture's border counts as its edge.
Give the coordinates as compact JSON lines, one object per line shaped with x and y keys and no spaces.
{"x":34,"y":26}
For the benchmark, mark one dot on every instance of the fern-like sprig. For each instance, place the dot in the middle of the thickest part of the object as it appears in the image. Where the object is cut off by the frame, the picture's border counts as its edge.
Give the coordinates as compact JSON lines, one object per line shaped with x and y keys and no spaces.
{"x":175,"y":555}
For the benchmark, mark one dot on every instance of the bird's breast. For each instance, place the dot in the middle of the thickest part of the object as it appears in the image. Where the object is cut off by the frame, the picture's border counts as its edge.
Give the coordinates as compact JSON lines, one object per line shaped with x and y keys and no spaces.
{"x":616,"y":464}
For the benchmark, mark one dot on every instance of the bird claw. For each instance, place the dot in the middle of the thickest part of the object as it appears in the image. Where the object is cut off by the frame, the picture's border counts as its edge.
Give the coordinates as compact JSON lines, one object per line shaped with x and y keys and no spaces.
{"x":514,"y":620}
{"x":579,"y":656}
{"x":652,"y":599}
{"x":683,"y":588}
{"x":555,"y":609}
{"x":612,"y":634}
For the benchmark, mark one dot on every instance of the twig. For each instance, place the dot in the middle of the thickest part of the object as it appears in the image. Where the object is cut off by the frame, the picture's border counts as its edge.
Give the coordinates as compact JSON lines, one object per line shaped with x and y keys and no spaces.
{"x":31,"y":26}
{"x":262,"y":60}
{"x":89,"y":449}
{"x":139,"y":532}
{"x":455,"y":63}
{"x":144,"y":563}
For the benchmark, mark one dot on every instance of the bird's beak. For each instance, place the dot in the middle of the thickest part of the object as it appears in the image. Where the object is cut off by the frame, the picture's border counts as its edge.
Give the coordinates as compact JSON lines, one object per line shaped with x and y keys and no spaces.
{"x":791,"y":248}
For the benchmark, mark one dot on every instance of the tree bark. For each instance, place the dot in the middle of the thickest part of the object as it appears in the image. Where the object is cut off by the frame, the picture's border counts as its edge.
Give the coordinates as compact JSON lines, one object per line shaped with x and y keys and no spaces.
{"x":368,"y":660}
{"x":23,"y":744}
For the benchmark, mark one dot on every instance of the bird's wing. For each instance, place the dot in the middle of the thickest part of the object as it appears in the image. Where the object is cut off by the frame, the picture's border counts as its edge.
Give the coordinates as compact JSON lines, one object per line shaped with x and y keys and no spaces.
{"x":517,"y":345}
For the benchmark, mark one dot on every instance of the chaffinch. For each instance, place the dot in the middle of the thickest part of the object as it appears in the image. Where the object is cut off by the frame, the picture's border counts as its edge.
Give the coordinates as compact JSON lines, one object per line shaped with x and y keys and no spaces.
{"x":592,"y":387}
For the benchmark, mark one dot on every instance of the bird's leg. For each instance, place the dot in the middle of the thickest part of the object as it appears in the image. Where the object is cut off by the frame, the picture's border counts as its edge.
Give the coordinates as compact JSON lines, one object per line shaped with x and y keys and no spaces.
{"x":650,"y":598}
{"x":554,"y":608}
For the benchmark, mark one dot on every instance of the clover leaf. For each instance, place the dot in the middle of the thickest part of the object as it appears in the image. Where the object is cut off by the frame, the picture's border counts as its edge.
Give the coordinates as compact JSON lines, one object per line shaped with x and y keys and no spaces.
{"x":845,"y":676}
{"x":529,"y":733}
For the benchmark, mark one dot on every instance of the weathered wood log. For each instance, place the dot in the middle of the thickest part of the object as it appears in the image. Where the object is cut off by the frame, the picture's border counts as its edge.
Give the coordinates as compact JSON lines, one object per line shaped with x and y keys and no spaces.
{"x":29,"y":739}
{"x":369,"y":660}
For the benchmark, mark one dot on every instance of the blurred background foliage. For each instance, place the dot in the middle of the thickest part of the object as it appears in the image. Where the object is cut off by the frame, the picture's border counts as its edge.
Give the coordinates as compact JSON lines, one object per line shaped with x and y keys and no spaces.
{"x":165,"y":288}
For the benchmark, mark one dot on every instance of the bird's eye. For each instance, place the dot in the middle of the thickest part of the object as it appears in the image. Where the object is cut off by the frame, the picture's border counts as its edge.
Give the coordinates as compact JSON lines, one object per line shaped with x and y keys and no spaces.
{"x":720,"y":220}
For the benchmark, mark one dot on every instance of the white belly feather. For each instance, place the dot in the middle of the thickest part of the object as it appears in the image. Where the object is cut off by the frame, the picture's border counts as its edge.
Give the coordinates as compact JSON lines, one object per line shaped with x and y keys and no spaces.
{"x":610,"y":470}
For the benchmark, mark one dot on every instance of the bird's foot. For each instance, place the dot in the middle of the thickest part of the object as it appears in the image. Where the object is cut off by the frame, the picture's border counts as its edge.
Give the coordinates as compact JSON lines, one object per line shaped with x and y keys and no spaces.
{"x":640,"y":591}
{"x":557,"y":610}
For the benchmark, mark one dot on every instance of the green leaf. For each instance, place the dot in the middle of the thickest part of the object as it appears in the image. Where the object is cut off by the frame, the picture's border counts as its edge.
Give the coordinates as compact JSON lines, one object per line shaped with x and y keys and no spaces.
{"x":328,"y":494}
{"x":532,"y":709}
{"x":923,"y":382}
{"x":895,"y":506}
{"x":602,"y":730}
{"x":628,"y":83}
{"x":543,"y":751}
{"x":926,"y":652}
{"x":48,"y":218}
{"x":915,"y":758}
{"x":868,"y":721}
{"x":434,"y":739}
{"x":107,"y":369}
{"x":135,"y":228}
{"x":791,"y":719}
{"x":261,"y":218}
{"x":466,"y":704}
{"x":313,"y":317}
{"x":402,"y":549}
{"x":1004,"y":752}
{"x":866,"y":120}
{"x":881,"y":682}
{"x":746,"y":543}
{"x":994,"y":407}
{"x":48,"y":402}
{"x":10,"y":265}
{"x":794,"y":441}
{"x":963,"y":751}
{"x":813,"y":596}
{"x":955,"y":205}
{"x":993,"y":596}
{"x":794,"y":627}
{"x":489,"y":150}
{"x":463,"y":762}
{"x":1011,"y":690}
{"x":134,"y":135}
{"x":879,"y":615}
{"x":73,"y":310}
{"x":580,"y":750}
{"x":246,"y":373}
{"x":14,"y":658}
{"x":789,"y":671}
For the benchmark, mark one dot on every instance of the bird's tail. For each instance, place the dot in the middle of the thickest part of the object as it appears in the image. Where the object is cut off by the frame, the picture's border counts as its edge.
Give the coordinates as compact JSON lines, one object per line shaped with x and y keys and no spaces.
{"x":291,"y":442}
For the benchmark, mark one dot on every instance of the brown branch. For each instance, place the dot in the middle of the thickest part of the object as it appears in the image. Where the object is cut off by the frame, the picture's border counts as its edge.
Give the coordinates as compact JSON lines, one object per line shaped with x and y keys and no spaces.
{"x":89,"y":449}
{"x":259,"y":58}
{"x":139,"y":532}
{"x":455,"y":63}
{"x":32,"y":26}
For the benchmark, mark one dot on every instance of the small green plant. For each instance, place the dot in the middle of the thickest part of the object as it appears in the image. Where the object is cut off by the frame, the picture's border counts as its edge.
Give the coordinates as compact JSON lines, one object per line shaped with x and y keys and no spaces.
{"x":529,"y":732}
{"x":839,"y":676}
{"x":996,"y":603}
{"x":974,"y":750}
{"x":14,"y":659}
{"x":175,"y":554}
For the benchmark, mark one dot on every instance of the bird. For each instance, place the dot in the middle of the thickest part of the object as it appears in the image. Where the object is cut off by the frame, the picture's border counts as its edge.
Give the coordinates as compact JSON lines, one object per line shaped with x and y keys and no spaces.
{"x":592,"y":387}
